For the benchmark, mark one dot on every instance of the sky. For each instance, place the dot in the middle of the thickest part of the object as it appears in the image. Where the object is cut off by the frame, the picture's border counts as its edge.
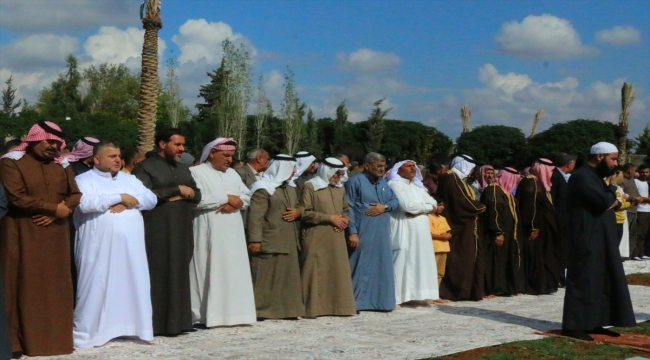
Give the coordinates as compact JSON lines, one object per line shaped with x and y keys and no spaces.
{"x":503,"y":58}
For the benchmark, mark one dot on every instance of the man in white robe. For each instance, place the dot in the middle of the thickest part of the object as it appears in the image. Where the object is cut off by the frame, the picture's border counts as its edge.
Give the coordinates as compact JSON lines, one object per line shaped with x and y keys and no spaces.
{"x":113,"y":296}
{"x":220,"y":277}
{"x":414,"y":261}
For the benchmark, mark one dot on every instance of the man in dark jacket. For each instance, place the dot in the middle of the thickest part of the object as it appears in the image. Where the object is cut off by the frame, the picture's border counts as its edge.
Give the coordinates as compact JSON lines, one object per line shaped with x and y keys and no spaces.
{"x":564,"y":165}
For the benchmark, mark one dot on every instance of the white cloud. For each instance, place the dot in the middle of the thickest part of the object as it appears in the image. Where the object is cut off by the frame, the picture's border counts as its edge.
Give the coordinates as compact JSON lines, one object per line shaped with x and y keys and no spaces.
{"x":511,"y":99}
{"x":201,"y":40}
{"x":367,"y":60}
{"x":619,"y":35}
{"x":34,"y":16}
{"x":114,"y":45}
{"x":36,"y":51}
{"x":542,"y":37}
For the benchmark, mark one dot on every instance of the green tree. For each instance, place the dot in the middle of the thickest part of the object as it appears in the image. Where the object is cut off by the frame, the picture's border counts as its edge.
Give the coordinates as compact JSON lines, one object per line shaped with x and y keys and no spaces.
{"x":171,"y":105}
{"x":340,"y":130}
{"x":110,"y":90}
{"x":63,"y":99}
{"x":375,"y":131}
{"x":642,"y":142}
{"x":310,"y":140}
{"x":291,"y":113}
{"x":576,"y":137}
{"x":9,"y":103}
{"x":496,"y":145}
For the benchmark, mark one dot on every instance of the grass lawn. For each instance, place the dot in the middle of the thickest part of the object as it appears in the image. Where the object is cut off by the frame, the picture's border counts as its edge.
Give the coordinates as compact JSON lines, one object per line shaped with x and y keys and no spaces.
{"x":557,"y":348}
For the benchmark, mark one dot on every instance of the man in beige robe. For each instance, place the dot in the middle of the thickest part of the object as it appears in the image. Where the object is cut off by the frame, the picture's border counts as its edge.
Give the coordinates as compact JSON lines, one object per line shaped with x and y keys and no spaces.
{"x":324,"y":265}
{"x":273,"y":243}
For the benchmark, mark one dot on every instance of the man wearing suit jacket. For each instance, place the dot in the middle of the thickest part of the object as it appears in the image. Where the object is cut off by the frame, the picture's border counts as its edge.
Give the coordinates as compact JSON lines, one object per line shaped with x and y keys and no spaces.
{"x":258,"y":161}
{"x":564,"y":165}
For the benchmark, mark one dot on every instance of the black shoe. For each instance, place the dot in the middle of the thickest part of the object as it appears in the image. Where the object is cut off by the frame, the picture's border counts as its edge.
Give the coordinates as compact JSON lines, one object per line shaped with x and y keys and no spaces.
{"x":577,"y":334}
{"x":16,"y":354}
{"x":602,"y":331}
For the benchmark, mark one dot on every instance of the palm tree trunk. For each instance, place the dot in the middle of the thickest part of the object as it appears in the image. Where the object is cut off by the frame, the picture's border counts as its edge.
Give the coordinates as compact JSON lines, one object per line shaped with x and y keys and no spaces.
{"x":627,"y":97}
{"x":147,"y":113}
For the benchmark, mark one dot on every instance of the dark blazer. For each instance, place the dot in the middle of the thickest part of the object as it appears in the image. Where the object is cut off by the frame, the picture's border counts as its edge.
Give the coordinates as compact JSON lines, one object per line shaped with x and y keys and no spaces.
{"x":559,"y":194}
{"x":247,"y":175}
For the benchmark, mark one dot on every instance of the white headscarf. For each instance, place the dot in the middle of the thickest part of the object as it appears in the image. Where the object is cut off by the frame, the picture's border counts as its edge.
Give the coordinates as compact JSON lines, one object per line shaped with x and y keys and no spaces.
{"x":219,"y":144}
{"x":278,"y":172}
{"x":392,"y":174}
{"x":462,"y":165}
{"x":327,"y":169}
{"x":304,"y":159}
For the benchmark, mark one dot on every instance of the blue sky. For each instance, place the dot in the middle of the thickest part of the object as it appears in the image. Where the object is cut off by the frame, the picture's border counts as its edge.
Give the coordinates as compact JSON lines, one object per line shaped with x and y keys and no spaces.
{"x":505,"y":59}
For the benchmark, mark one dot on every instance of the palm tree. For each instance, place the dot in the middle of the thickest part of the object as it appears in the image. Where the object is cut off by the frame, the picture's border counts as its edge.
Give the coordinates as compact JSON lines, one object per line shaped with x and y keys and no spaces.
{"x":538,"y":116}
{"x":627,"y":97}
{"x":465,"y":117}
{"x":151,"y":22}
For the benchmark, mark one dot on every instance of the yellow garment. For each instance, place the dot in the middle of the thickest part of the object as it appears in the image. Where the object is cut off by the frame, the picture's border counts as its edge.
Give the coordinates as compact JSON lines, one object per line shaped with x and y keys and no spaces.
{"x":438,"y":226}
{"x":620,"y":213}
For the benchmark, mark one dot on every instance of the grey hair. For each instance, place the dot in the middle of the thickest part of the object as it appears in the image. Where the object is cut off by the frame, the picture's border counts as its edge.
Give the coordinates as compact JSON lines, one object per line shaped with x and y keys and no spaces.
{"x":254,"y":153}
{"x":373,"y":156}
{"x":101,"y":145}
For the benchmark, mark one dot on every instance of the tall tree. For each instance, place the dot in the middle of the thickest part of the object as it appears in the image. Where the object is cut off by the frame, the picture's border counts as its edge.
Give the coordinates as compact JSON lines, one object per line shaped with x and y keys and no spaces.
{"x":9,"y":103}
{"x":171,"y":95}
{"x":627,"y":97}
{"x":110,"y":90}
{"x":310,"y":140}
{"x":538,"y":116}
{"x":375,"y":131}
{"x":340,"y":125}
{"x":263,"y":112}
{"x":63,"y":98}
{"x":291,"y":113}
{"x":466,"y":118}
{"x":147,"y":115}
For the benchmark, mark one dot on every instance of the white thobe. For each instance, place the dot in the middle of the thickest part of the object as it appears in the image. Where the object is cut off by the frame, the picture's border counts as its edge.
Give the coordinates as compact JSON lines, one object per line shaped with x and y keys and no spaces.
{"x":416,"y":275}
{"x":113,"y":295}
{"x":220,"y":276}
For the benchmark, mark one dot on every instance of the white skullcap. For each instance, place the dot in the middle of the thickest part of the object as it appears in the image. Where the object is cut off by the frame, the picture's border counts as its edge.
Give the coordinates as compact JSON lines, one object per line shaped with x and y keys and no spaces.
{"x":603,"y":148}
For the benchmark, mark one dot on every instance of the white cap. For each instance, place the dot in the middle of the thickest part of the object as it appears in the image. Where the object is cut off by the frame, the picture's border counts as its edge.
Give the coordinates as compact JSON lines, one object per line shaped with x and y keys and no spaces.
{"x":603,"y":148}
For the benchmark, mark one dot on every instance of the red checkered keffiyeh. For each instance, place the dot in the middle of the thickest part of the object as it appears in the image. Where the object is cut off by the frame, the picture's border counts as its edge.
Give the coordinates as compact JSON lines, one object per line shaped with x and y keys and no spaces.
{"x":43,"y":130}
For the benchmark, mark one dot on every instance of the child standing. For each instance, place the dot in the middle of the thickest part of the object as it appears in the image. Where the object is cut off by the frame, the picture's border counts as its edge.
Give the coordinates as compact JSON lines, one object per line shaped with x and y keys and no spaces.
{"x":440,"y":233}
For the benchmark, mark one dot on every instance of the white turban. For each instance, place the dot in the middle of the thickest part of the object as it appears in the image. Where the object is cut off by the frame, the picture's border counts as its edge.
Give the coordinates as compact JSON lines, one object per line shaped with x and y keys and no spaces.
{"x":462,"y":165}
{"x":219,"y":144}
{"x":304,"y":159}
{"x":279,"y":171}
{"x":328,"y":168}
{"x":392,"y":174}
{"x":603,"y":148}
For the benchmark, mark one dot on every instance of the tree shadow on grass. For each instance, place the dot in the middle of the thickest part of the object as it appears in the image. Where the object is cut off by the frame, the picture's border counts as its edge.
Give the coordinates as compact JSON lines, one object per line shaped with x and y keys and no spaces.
{"x":501,"y":316}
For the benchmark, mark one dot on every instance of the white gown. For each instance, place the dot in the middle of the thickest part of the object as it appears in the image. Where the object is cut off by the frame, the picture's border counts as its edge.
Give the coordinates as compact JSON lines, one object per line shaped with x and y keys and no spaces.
{"x":220,"y":275}
{"x":416,"y":274}
{"x":113,"y":295}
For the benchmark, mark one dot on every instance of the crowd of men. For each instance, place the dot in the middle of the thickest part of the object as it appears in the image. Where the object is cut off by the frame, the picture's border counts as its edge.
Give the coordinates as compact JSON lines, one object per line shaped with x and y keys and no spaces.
{"x":96,"y":243}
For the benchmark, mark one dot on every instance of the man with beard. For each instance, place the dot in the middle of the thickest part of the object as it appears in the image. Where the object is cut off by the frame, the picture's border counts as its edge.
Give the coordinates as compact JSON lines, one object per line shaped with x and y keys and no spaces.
{"x":35,"y":243}
{"x":504,"y":268}
{"x":430,"y":181}
{"x":168,"y":232}
{"x":464,"y":276}
{"x":541,"y":246}
{"x":371,"y":256}
{"x":597,"y":294}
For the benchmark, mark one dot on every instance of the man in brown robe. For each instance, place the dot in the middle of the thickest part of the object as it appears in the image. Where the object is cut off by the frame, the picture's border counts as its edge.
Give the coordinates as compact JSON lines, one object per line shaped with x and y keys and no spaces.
{"x":324,"y":265}
{"x":464,"y":275}
{"x":35,"y":246}
{"x":169,"y":238}
{"x":273,"y":242}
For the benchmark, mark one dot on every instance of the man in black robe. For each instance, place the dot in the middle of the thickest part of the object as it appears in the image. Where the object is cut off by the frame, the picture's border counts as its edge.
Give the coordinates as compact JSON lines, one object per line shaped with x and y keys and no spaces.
{"x":504,"y":266}
{"x":169,"y":239}
{"x":465,"y":270}
{"x":596,"y":290}
{"x":564,"y":165}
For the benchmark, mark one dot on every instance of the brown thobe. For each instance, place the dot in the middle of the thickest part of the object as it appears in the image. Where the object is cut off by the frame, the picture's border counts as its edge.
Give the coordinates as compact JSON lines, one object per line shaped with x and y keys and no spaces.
{"x":169,"y":241}
{"x":465,"y":272}
{"x":324,"y":264}
{"x":301,"y":181}
{"x":542,"y":255}
{"x":275,"y":269}
{"x":36,"y":259}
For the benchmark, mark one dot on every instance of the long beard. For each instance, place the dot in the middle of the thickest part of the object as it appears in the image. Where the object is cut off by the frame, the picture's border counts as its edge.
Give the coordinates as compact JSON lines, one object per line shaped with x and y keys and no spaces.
{"x":603,"y":170}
